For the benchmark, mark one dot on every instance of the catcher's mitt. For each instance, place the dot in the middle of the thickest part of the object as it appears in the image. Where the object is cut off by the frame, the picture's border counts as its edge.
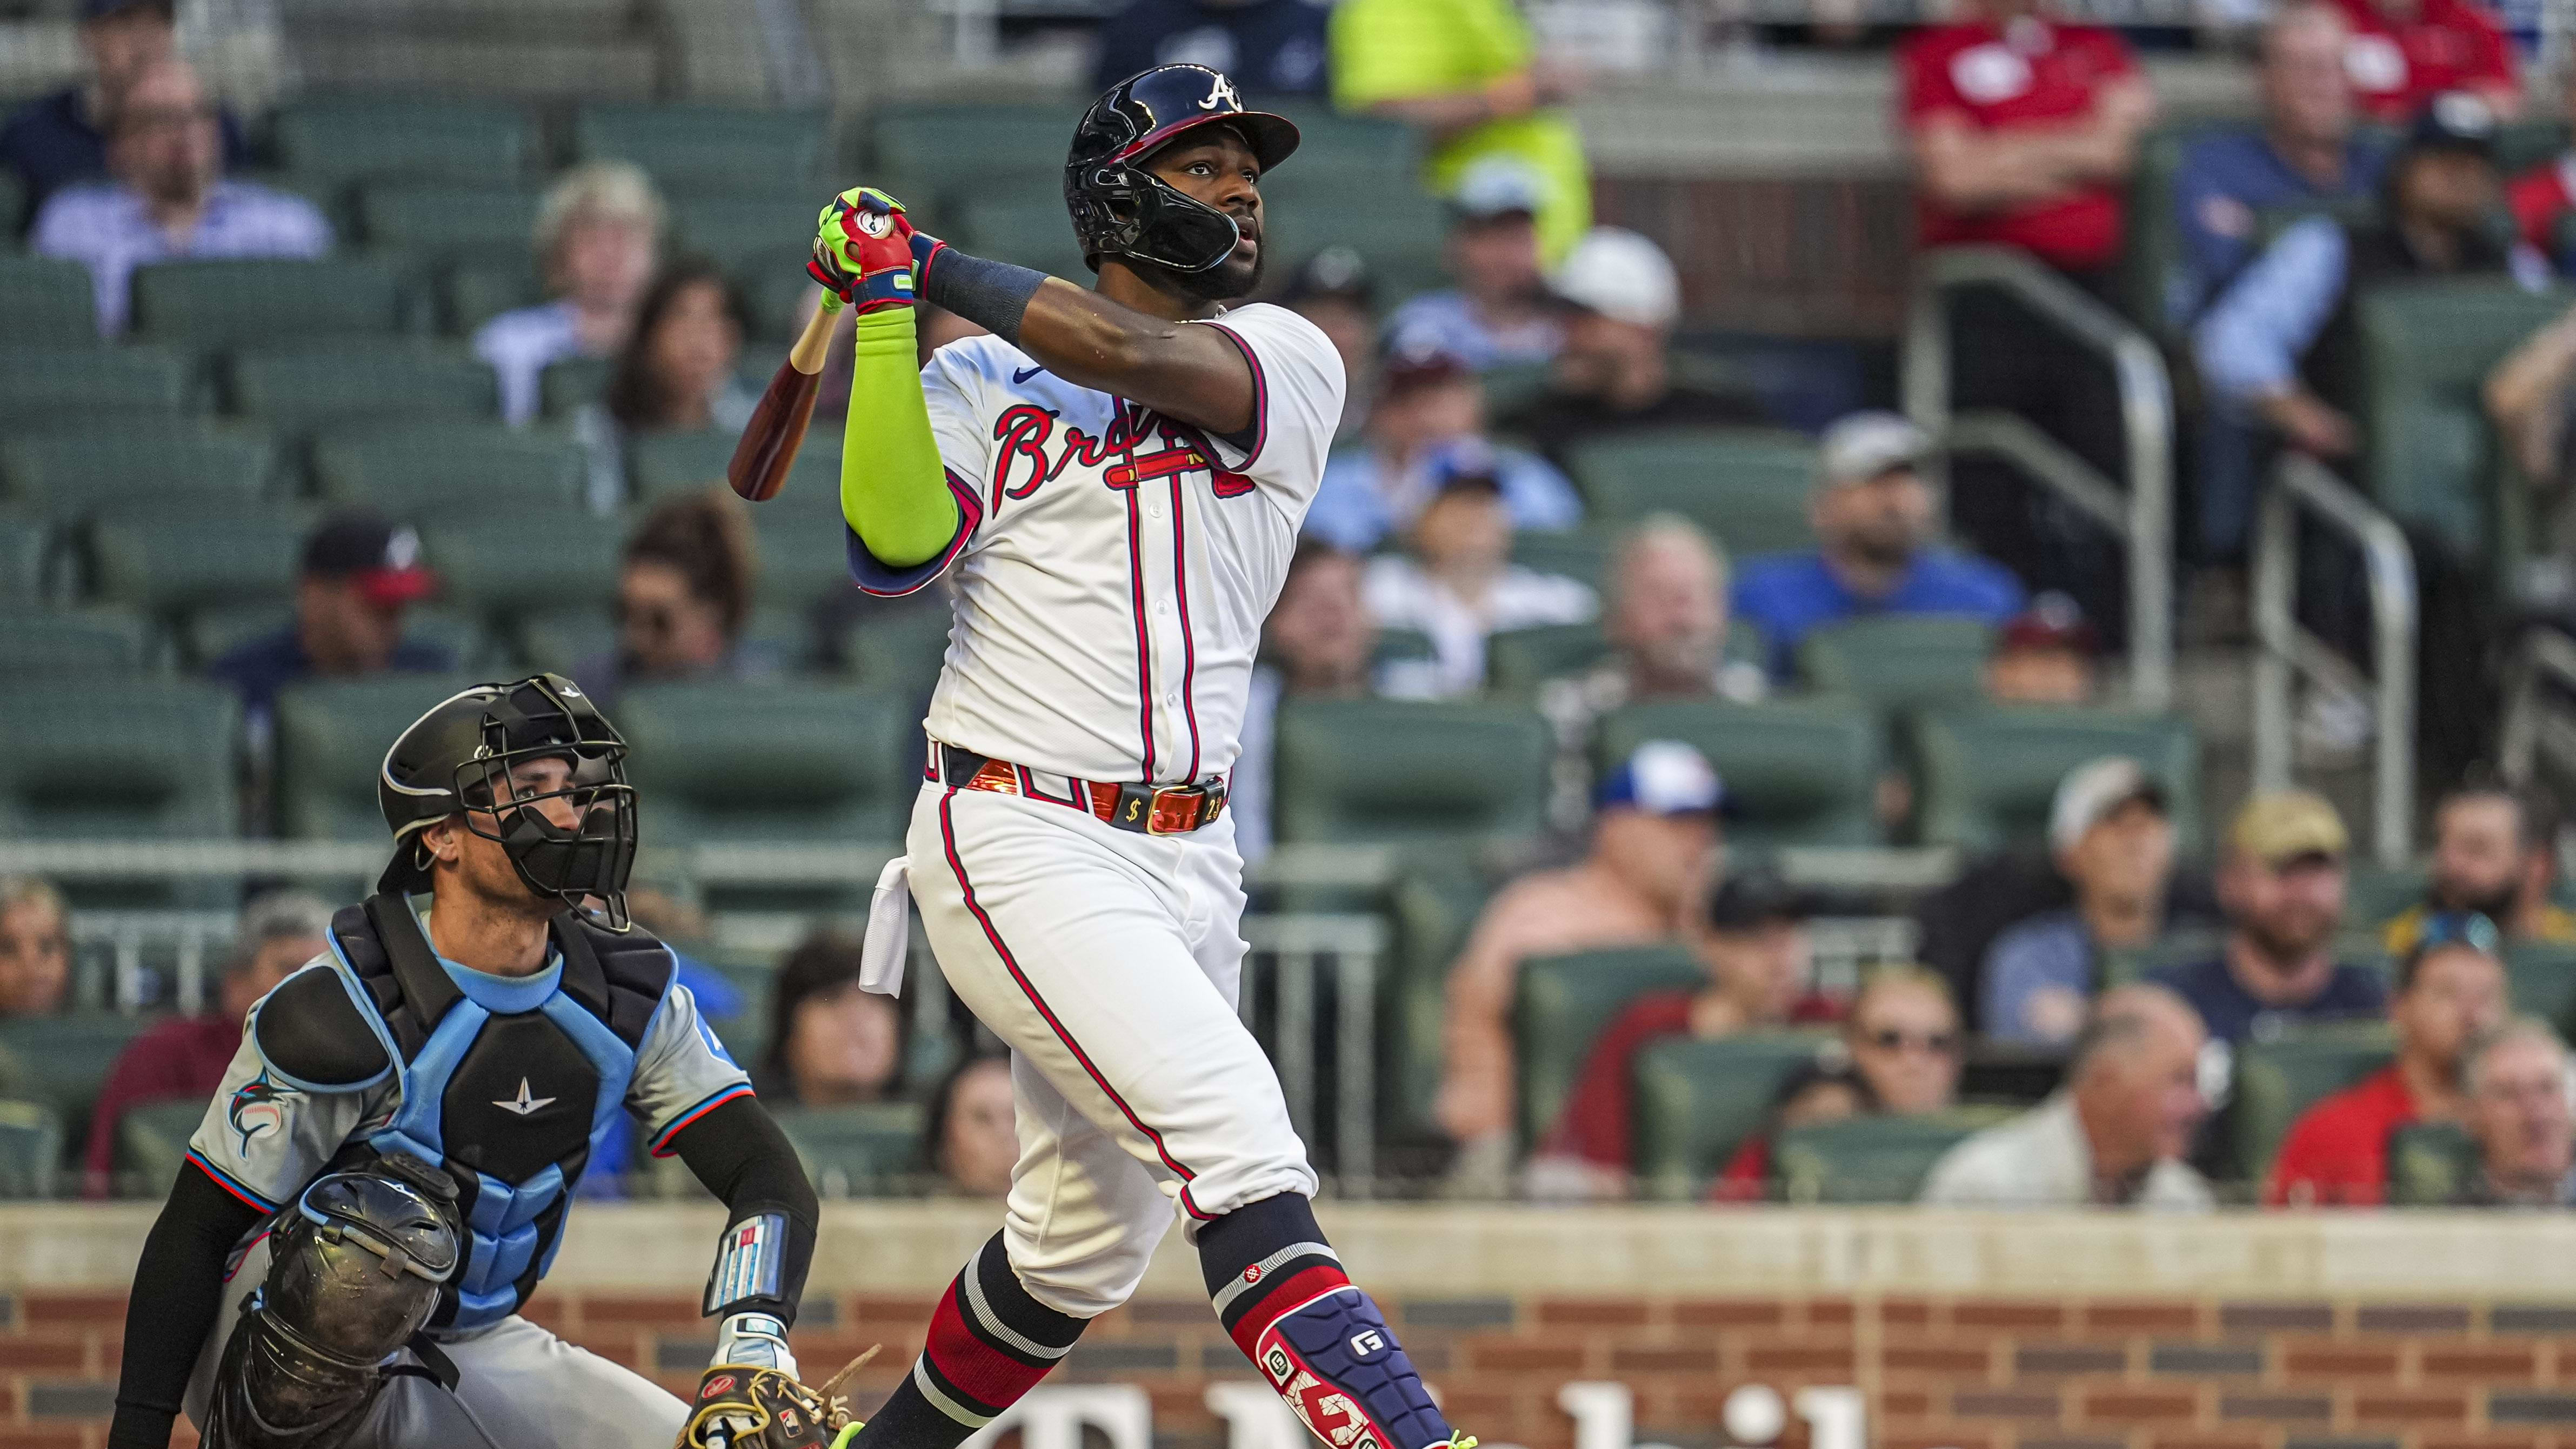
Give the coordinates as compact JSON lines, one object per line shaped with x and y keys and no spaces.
{"x":761,"y":1408}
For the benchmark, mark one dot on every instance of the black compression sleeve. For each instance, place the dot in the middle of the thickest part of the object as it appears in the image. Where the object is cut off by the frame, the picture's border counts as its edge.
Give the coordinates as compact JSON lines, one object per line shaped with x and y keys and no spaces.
{"x":178,"y":1290}
{"x":742,"y":1157}
{"x":992,"y":295}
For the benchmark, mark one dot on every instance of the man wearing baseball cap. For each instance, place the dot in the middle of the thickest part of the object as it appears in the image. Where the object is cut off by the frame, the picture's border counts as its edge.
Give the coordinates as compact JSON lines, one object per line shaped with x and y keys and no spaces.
{"x":1873,"y":516}
{"x":2281,"y":884}
{"x":1428,"y":399}
{"x":358,"y":576}
{"x":1456,"y":584}
{"x":2113,"y":841}
{"x":1498,"y":314}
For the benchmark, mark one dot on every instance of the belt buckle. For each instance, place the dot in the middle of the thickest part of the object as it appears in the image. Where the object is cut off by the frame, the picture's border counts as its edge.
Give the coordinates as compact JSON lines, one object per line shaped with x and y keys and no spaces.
{"x":1159,"y":809}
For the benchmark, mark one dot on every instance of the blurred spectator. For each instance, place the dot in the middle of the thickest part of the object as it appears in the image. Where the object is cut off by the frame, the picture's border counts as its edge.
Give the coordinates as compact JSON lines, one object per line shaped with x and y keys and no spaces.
{"x":2451,"y":990}
{"x":971,"y":1137}
{"x":2305,"y":153}
{"x":35,"y":948}
{"x":2113,"y":1136}
{"x":1614,"y":371}
{"x":359,"y":574}
{"x":2546,"y":192}
{"x":1828,"y":1089}
{"x":2112,"y":838}
{"x":2044,"y":655}
{"x":597,"y":235}
{"x":2531,"y":395}
{"x":1427,"y":399}
{"x":674,"y":374}
{"x":1318,"y":643}
{"x":2403,"y":53}
{"x":167,"y":199}
{"x":1902,"y":1054}
{"x":2518,"y":1115}
{"x":683,"y":597}
{"x":2495,"y":852}
{"x":1499,"y":312}
{"x":2281,"y":884}
{"x":185,"y":1057}
{"x":1335,"y":291}
{"x":1753,"y":939}
{"x":1268,"y":47}
{"x":1469,"y":73}
{"x":1654,"y":843}
{"x":1456,"y":583}
{"x":55,"y":140}
{"x":1872,"y":513}
{"x":830,"y":1044}
{"x":2023,"y":132}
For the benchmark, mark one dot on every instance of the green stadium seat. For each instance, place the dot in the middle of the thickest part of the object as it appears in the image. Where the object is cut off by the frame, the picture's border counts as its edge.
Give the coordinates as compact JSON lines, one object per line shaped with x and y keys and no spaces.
{"x":352,"y":138}
{"x":331,"y":738}
{"x":424,"y":468}
{"x":166,"y":562}
{"x":447,"y":219}
{"x":775,"y":287}
{"x":1518,"y":661}
{"x":1900,"y":662}
{"x":1988,"y":774}
{"x":871,"y":1151}
{"x":979,"y":145}
{"x":560,"y":639}
{"x":50,"y":383}
{"x":31,"y":1150}
{"x":1307,"y":208}
{"x":1381,"y":771}
{"x":1797,"y":771}
{"x":298,"y":389}
{"x":474,"y":290}
{"x":259,"y":302}
{"x":13,"y":207}
{"x":2528,"y":142}
{"x":1878,"y":1158}
{"x":24,"y":545}
{"x":735,"y":229}
{"x":804,"y":553}
{"x":152,"y":1144}
{"x":50,"y":644}
{"x":1698,"y":1100}
{"x":49,"y":301}
{"x":63,"y":1059}
{"x":1359,"y":149}
{"x":1509,"y":388}
{"x":2430,"y":1164}
{"x":753,"y":977}
{"x":1430,"y":909}
{"x":899,"y":651}
{"x":1747,"y":486}
{"x":70,"y":472}
{"x":2278,"y":1080}
{"x":2176,"y":947}
{"x":2151,"y":281}
{"x":1561,"y":1005}
{"x":2374,"y":893}
{"x":566,"y":387}
{"x":707,"y":145}
{"x":1028,"y":232}
{"x":782,"y":761}
{"x":208,"y":634}
{"x":660,"y":464}
{"x":1582,"y":555}
{"x":505,"y":567}
{"x":2543,"y":977}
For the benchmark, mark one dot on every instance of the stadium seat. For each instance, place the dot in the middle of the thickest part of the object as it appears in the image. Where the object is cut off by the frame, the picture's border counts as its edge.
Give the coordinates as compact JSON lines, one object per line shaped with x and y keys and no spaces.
{"x":348,"y":138}
{"x":13,"y":206}
{"x":474,"y":290}
{"x":263,"y":302}
{"x":566,"y":387}
{"x":752,"y":976}
{"x":2543,"y":977}
{"x":51,"y":383}
{"x":331,"y":740}
{"x":899,"y":650}
{"x":1871,"y":1159}
{"x":707,"y":145}
{"x":804,"y":549}
{"x":1989,"y":774}
{"x":2151,"y":272}
{"x":1430,"y":909}
{"x":1518,"y":661}
{"x":783,"y":761}
{"x":24,"y":545}
{"x":507,"y":567}
{"x":1362,"y":151}
{"x":870,"y":1151}
{"x":152,"y":1144}
{"x":1797,"y":771}
{"x":735,"y":229}
{"x":208,"y":634}
{"x":560,"y":639}
{"x":298,"y":389}
{"x":1028,"y":232}
{"x":69,"y":472}
{"x":1698,"y":1100}
{"x":165,"y":562}
{"x":63,"y":1059}
{"x":987,"y":145}
{"x":1307,"y":208}
{"x":422,"y":469}
{"x":775,"y":287}
{"x":31,"y":1150}
{"x":2180,"y":946}
{"x":52,"y":643}
{"x":2277,"y":1080}
{"x":666,"y":463}
{"x":49,"y":301}
{"x":2430,"y":1164}
{"x":1379,"y":771}
{"x":1899,"y":662}
{"x":443,"y":220}
{"x":2528,"y":142}
{"x":1560,"y":1006}
{"x":1582,"y":555}
{"x":1747,"y":486}
{"x":2373,"y":893}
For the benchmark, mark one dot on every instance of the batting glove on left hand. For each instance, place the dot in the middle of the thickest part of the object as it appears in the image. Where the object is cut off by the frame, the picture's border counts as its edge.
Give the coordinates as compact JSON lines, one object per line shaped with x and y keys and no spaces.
{"x":863,"y":250}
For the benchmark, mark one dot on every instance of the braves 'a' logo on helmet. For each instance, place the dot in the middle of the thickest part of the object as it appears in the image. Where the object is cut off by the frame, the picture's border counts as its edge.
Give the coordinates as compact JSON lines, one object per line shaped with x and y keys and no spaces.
{"x":1222,"y":93}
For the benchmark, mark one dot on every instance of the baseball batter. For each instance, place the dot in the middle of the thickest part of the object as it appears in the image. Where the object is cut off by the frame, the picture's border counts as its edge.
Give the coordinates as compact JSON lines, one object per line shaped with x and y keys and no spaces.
{"x":1117,"y":476}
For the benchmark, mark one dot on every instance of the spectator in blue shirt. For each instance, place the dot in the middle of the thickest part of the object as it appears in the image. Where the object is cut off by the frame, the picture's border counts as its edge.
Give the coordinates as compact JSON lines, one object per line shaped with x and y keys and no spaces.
{"x":168,"y":200}
{"x":1268,"y":47}
{"x":55,"y":140}
{"x":1428,"y":398}
{"x":1500,"y":312}
{"x":2282,"y":887}
{"x":359,"y":574}
{"x":2113,"y":841}
{"x":598,"y":240}
{"x":1873,"y":518}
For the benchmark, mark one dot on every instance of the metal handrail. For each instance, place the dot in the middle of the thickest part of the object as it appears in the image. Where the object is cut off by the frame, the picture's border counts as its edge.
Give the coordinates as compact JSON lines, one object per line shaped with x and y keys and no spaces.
{"x":2532,"y":727}
{"x":2141,"y":514}
{"x":2301,"y":485}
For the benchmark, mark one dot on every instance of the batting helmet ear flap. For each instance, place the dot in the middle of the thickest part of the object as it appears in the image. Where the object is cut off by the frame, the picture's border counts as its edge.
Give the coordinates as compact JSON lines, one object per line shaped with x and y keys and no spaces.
{"x":1121,"y":209}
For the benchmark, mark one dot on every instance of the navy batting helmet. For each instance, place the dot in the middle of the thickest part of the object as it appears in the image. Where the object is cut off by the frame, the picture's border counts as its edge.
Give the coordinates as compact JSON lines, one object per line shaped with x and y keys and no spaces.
{"x":1122,"y":210}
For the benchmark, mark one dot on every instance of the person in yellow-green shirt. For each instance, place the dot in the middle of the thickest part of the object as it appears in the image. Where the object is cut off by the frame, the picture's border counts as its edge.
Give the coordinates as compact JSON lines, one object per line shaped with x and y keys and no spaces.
{"x":1469,"y":73}
{"x":2495,"y":851}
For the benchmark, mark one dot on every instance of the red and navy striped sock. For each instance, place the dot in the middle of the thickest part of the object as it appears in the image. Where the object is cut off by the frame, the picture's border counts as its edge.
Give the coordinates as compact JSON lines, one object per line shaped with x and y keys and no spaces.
{"x":989,"y":1343}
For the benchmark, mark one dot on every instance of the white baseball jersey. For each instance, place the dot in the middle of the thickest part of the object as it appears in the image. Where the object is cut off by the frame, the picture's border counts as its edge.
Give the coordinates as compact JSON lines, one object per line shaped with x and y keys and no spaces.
{"x":1114,"y":566}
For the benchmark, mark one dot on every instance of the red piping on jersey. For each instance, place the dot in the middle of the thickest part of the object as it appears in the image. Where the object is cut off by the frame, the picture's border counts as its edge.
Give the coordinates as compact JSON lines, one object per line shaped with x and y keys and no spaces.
{"x":1189,"y":644}
{"x":661,"y":1145}
{"x":1260,"y":396}
{"x":226,"y":1181}
{"x":1010,"y":963}
{"x":1144,"y":641}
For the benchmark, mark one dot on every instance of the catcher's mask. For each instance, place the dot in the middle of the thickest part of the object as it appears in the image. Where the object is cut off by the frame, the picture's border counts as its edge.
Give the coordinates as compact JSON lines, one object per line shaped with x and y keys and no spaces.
{"x":460,"y":758}
{"x":1121,"y":209}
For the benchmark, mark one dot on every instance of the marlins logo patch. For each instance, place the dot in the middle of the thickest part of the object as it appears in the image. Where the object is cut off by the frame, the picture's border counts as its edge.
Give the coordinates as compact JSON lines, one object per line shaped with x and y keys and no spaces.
{"x":256,"y":1108}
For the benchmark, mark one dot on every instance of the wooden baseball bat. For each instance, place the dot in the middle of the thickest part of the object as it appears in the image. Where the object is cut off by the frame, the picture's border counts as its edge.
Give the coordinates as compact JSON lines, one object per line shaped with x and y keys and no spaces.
{"x":777,"y":427}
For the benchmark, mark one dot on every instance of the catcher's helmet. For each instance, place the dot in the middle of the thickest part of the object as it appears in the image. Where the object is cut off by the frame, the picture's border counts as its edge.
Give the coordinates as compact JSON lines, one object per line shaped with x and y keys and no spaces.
{"x":1122,"y":210}
{"x":453,"y":758}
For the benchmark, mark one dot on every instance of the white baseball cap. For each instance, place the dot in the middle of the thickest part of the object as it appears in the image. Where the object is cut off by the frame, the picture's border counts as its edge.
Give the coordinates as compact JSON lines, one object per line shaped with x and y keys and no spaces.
{"x":1860,"y":446}
{"x":1622,"y":276}
{"x":2092,"y":792}
{"x":1663,"y":777}
{"x":1496,"y":186}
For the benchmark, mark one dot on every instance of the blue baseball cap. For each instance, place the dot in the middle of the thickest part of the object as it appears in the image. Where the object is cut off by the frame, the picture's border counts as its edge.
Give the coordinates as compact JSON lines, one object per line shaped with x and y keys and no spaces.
{"x":1462,"y":462}
{"x":1663,"y":777}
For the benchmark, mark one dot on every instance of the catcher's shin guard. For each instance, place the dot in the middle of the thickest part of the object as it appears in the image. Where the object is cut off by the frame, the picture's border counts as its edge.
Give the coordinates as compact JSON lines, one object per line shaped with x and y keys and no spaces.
{"x":355,"y":1269}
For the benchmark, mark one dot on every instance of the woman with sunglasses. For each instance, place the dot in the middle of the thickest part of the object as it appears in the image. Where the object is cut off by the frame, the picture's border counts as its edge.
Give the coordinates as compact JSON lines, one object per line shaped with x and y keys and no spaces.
{"x":683,"y":597}
{"x":1900,"y":1054}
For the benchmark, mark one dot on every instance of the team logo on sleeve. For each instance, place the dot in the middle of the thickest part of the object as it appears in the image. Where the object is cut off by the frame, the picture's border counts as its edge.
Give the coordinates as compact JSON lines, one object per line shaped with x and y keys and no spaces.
{"x":256,"y":1108}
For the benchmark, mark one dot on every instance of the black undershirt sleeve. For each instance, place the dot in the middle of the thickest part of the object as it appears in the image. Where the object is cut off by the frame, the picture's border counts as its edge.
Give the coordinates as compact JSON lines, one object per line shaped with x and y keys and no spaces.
{"x":178,"y":1290}
{"x":742,"y":1157}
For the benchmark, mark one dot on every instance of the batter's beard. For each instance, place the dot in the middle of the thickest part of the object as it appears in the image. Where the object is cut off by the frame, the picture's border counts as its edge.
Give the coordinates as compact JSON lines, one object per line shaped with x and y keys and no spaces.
{"x":1224,"y":282}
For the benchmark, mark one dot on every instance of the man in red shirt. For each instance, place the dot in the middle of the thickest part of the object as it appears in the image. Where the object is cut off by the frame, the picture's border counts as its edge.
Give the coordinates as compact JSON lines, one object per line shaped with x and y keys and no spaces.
{"x":2405,"y":52}
{"x":2546,"y":192}
{"x":2450,"y":991}
{"x":185,"y":1057}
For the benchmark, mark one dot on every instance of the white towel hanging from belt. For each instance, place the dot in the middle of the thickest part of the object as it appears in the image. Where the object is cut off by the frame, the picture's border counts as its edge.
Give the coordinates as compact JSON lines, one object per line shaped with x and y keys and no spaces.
{"x":889,"y":936}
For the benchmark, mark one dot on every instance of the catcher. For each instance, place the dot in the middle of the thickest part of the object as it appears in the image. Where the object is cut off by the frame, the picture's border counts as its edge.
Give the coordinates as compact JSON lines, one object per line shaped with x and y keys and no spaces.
{"x":383,"y":1176}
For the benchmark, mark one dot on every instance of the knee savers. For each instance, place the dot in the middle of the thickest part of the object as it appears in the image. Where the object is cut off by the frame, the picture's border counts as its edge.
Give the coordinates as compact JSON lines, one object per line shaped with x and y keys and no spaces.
{"x":355,"y":1269}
